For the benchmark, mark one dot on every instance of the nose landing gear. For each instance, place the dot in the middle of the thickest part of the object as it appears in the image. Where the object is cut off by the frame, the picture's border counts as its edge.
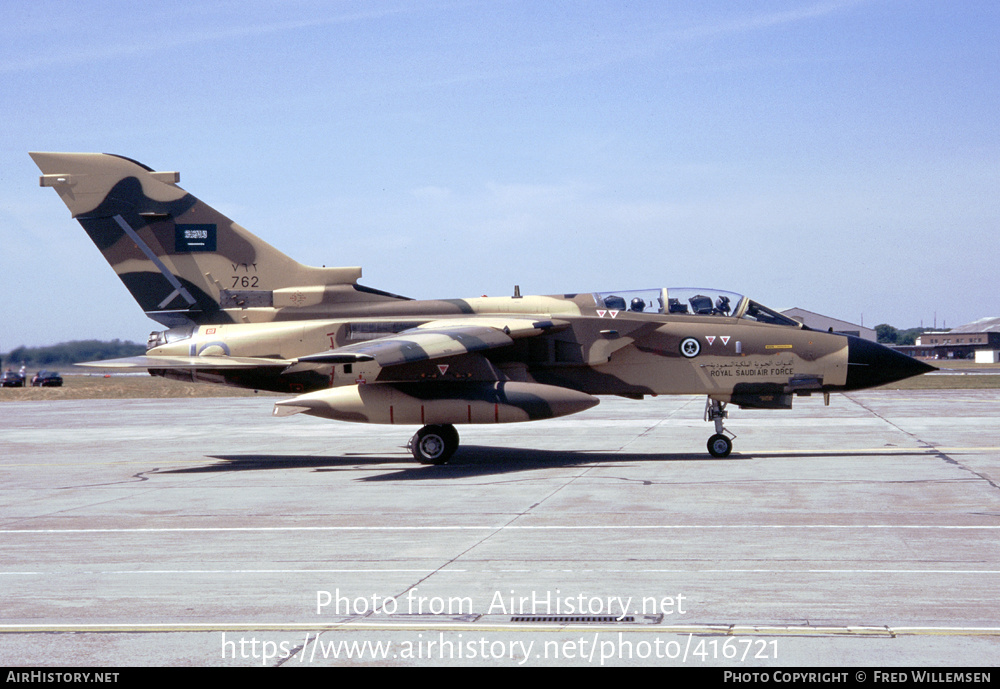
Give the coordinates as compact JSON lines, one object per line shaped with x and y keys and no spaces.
{"x":720,"y":444}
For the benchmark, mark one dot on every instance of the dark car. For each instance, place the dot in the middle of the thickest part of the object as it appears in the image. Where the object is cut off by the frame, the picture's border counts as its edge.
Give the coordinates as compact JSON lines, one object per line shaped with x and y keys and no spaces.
{"x":11,"y":379}
{"x":47,"y":379}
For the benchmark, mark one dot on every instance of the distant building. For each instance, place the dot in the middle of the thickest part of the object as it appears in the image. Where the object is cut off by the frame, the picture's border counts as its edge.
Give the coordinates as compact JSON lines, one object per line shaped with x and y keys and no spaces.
{"x":979,"y":340}
{"x":819,"y":322}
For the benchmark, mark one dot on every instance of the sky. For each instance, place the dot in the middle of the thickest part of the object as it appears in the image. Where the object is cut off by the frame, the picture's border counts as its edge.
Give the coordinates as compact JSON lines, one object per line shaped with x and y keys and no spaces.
{"x":841,"y":156}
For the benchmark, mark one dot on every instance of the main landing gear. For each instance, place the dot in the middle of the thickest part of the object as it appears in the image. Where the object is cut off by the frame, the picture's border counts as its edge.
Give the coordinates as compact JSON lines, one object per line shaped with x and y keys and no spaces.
{"x":720,"y":444}
{"x":434,"y":444}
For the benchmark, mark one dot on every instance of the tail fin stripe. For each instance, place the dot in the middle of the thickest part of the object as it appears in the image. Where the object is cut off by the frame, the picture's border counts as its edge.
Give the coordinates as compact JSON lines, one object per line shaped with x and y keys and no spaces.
{"x":170,"y":298}
{"x":171,"y":278}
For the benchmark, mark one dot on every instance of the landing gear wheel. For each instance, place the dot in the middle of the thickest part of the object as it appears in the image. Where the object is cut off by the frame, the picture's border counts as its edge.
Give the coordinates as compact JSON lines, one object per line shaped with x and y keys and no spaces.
{"x":434,"y":444}
{"x":719,"y":445}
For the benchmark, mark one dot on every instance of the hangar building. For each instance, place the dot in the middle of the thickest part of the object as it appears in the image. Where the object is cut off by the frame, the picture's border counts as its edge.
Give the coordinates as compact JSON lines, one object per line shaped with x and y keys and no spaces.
{"x":818,"y":322}
{"x":979,"y":339}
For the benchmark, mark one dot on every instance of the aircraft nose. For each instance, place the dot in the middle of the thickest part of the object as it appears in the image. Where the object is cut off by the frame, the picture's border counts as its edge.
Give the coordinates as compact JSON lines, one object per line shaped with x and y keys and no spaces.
{"x":870,"y":364}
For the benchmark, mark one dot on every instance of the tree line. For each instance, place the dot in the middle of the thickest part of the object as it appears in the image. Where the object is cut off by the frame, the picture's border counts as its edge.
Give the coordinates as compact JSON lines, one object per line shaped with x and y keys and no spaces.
{"x":887,"y":334}
{"x":66,"y":353}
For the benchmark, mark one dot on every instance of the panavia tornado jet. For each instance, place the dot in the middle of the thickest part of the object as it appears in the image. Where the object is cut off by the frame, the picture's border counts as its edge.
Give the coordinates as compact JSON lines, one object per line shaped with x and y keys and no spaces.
{"x":239,"y":312}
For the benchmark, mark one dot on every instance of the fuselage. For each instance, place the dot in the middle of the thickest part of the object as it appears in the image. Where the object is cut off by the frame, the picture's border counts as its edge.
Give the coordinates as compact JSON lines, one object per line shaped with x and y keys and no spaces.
{"x":756,"y":360}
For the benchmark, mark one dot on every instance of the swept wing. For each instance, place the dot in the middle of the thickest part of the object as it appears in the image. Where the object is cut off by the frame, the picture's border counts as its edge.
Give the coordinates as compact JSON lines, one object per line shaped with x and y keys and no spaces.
{"x":432,"y":340}
{"x":436,"y":339}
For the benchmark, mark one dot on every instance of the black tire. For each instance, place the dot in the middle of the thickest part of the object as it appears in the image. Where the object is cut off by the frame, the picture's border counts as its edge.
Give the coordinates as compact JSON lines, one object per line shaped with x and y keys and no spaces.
{"x":434,"y":444}
{"x":719,"y":446}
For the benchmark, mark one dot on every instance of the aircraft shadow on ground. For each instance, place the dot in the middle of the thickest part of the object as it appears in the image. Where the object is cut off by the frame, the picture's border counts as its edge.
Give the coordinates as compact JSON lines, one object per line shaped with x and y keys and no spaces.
{"x":472,"y":461}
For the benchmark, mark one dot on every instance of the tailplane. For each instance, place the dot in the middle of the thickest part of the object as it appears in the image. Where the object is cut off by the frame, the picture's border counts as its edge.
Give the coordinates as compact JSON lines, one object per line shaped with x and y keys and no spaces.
{"x":181,"y":259}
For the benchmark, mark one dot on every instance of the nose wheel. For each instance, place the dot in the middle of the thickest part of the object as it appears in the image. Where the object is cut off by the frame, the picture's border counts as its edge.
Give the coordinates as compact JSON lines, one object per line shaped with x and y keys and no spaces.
{"x":720,"y":444}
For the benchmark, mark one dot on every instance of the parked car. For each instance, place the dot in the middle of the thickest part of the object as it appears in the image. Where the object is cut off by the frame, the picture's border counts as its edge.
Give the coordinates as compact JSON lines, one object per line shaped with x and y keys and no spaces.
{"x":47,"y":379}
{"x":11,"y":379}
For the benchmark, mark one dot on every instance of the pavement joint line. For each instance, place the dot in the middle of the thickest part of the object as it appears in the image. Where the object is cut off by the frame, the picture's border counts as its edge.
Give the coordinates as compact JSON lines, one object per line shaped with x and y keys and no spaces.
{"x":933,"y":449}
{"x":499,"y":529}
{"x":492,"y":528}
{"x":671,"y":570}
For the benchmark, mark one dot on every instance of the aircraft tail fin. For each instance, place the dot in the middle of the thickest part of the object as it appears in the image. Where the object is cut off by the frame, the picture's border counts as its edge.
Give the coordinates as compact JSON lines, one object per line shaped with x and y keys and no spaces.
{"x":181,"y":259}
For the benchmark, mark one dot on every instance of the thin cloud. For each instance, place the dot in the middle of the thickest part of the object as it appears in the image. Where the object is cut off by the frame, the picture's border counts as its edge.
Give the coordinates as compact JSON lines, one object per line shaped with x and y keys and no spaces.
{"x":562,"y":59}
{"x":177,"y":38}
{"x":766,"y":21}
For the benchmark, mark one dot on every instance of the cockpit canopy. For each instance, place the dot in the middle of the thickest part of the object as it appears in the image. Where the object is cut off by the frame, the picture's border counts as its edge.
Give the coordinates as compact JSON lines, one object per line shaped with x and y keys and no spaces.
{"x":162,"y":337}
{"x":691,"y":301}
